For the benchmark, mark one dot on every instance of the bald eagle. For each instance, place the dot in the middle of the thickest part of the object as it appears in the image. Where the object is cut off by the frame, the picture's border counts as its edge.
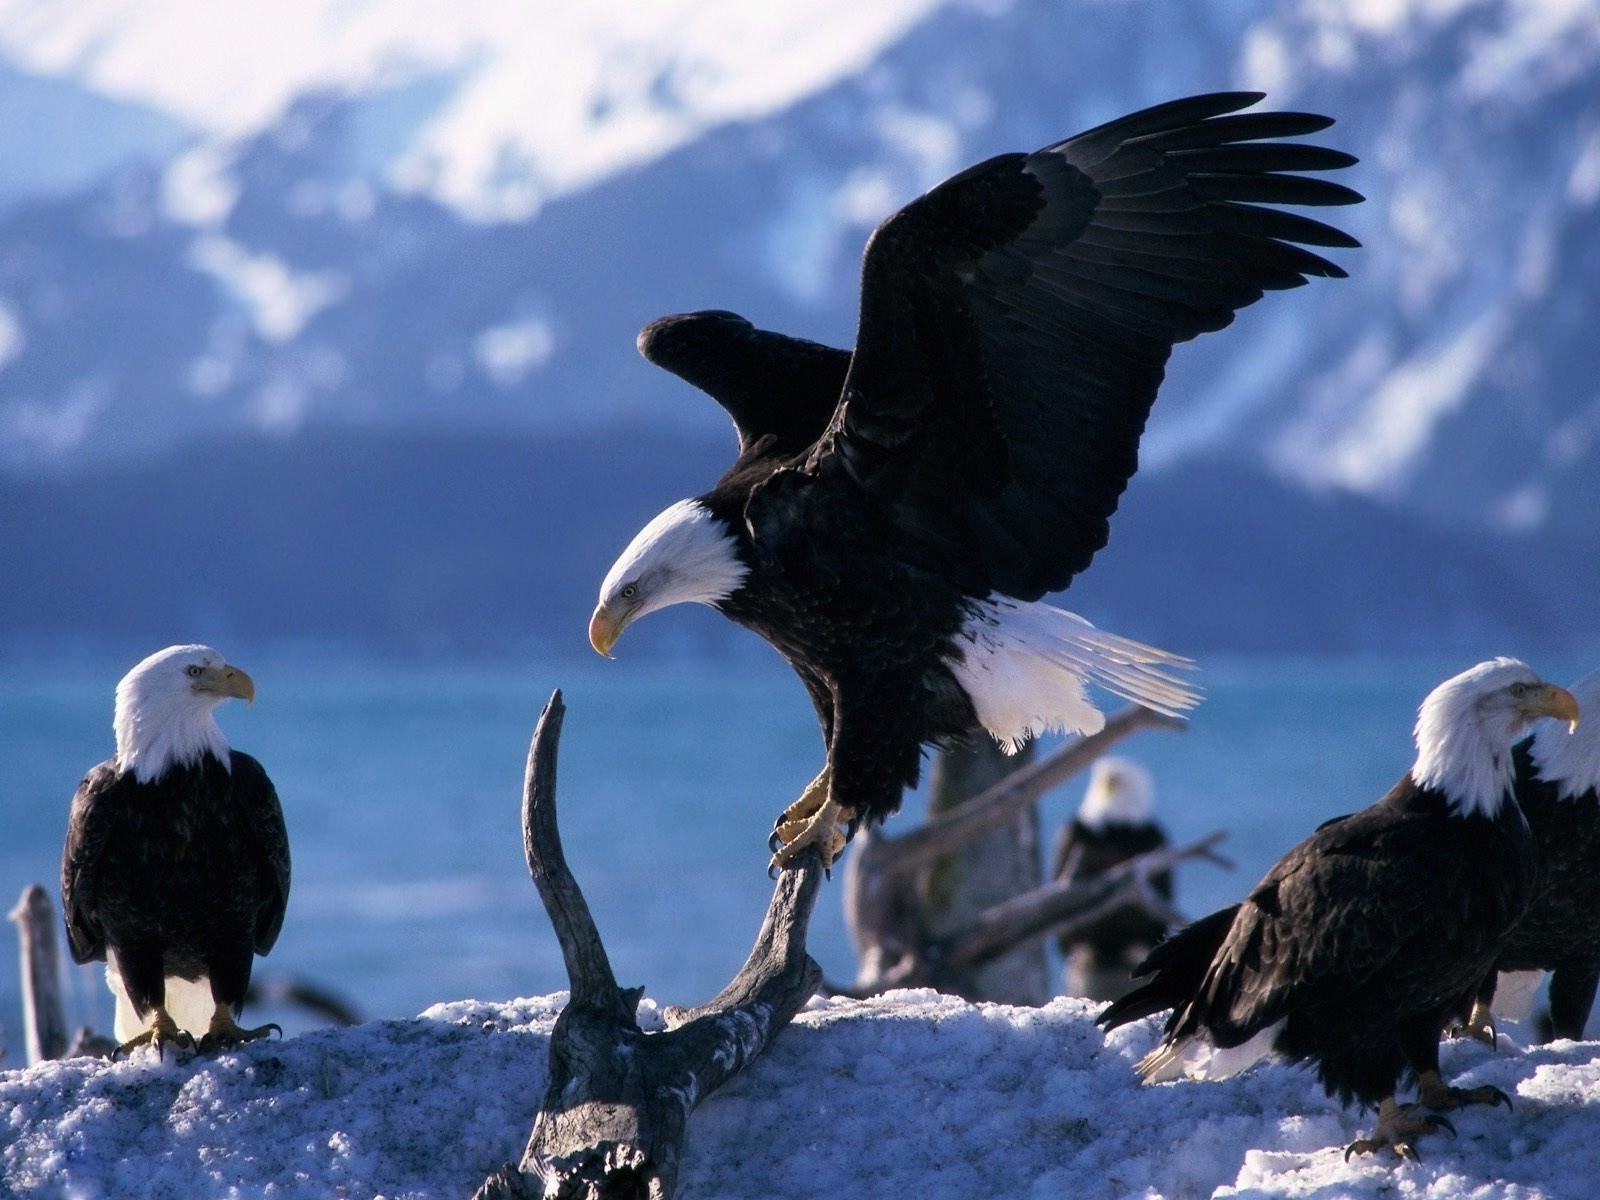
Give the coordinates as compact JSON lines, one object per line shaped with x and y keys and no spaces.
{"x":896,"y":512}
{"x":1558,"y":789}
{"x":1113,"y":824}
{"x":176,"y":867}
{"x":1363,"y":940}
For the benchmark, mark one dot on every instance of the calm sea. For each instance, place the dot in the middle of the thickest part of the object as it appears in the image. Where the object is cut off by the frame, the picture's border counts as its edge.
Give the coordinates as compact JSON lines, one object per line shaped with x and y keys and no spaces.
{"x":401,"y":785}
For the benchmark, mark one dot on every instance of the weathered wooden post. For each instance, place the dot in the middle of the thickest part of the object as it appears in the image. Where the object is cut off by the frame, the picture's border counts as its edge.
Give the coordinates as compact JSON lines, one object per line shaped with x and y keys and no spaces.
{"x":618,"y":1099}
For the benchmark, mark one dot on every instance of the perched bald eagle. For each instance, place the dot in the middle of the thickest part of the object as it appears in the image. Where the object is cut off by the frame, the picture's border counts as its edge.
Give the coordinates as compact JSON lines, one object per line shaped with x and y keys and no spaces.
{"x":1363,"y":940}
{"x":1558,"y":788}
{"x":896,"y":512}
{"x":1113,"y":824}
{"x":176,"y":867}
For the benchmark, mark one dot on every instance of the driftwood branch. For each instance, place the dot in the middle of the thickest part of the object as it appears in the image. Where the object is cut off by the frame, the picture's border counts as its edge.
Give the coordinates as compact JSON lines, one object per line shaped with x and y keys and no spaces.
{"x":618,"y":1099}
{"x":1062,"y":907}
{"x":921,"y":847}
{"x":894,"y":944}
{"x":44,"y":1014}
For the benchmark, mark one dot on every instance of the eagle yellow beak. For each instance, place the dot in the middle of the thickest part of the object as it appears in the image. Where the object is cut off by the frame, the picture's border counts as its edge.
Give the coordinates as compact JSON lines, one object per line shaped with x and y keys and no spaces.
{"x":1553,"y":701}
{"x":228,"y":681}
{"x":604,"y":630}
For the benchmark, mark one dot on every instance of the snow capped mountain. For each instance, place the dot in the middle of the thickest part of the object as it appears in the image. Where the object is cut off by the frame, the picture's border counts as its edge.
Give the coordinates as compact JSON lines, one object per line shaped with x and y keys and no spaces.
{"x":487,"y":107}
{"x":409,"y":214}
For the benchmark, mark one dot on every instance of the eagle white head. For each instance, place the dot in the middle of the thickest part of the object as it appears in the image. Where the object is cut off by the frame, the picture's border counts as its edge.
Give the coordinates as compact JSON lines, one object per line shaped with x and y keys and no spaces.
{"x":685,"y":555}
{"x":1120,"y":792}
{"x":165,"y":713}
{"x":1466,"y":725}
{"x":1570,"y":758}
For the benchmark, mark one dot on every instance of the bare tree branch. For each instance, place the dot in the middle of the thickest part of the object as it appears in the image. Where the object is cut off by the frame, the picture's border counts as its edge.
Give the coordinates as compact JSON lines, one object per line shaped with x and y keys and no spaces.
{"x":1064,"y":905}
{"x":917,"y":849}
{"x":618,"y":1099}
{"x":588,"y":967}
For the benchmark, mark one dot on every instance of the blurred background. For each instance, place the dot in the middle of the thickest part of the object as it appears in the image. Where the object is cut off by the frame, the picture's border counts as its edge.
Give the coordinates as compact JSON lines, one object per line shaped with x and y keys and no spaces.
{"x":316,"y":344}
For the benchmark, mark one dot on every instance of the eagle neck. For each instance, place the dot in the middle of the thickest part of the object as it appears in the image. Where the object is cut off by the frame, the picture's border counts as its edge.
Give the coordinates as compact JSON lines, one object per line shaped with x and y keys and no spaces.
{"x":152,"y":738}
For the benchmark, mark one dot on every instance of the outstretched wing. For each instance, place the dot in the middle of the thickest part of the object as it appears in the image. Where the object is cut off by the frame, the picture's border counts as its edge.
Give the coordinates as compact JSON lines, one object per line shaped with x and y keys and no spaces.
{"x":1016,"y":322}
{"x":770,"y":384}
{"x":90,"y":824}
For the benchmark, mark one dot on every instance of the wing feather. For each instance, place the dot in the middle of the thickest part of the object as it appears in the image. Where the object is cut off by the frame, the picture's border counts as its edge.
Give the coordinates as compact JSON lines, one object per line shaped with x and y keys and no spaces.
{"x":1016,"y":321}
{"x":90,"y":826}
{"x":770,"y":384}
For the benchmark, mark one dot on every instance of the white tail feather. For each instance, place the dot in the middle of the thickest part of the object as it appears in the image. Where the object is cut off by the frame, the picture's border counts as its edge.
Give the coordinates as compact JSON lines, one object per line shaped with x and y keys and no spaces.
{"x":1194,"y":1058}
{"x":1025,"y":668}
{"x":189,"y":1004}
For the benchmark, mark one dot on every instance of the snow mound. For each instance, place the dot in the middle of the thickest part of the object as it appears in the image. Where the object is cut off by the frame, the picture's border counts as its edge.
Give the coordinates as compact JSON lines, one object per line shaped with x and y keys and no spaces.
{"x":913,"y":1093}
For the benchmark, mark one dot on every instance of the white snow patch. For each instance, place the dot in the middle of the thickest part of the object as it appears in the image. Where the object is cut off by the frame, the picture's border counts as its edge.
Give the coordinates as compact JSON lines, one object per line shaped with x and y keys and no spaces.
{"x":508,"y":352}
{"x":197,"y":189}
{"x":1375,"y":447}
{"x":1521,"y":510}
{"x":12,"y":341}
{"x":540,"y":97}
{"x":279,"y":300}
{"x":1583,"y":184}
{"x":912,"y":1093}
{"x":30,"y":427}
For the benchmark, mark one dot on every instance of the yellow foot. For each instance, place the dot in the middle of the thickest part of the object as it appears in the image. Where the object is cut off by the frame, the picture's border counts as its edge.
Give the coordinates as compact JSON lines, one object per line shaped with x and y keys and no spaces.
{"x":1433,"y":1092}
{"x":1479,"y":1026}
{"x":1398,"y":1129}
{"x":163,"y":1032}
{"x":813,"y":820}
{"x":225,"y":1031}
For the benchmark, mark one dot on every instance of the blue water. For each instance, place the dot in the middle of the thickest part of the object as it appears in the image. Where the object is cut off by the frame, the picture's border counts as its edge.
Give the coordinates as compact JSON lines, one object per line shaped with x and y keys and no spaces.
{"x":401,"y":785}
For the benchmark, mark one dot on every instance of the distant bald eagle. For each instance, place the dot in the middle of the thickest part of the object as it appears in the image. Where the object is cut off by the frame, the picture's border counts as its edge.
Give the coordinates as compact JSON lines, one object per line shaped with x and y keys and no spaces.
{"x":176,"y":867}
{"x":896,"y":513}
{"x":1363,"y":940}
{"x":1558,"y":788}
{"x":1113,"y":824}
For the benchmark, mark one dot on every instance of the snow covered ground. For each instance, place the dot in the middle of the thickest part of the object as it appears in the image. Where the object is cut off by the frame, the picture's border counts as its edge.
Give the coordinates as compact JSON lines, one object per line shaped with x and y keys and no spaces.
{"x":910,"y":1094}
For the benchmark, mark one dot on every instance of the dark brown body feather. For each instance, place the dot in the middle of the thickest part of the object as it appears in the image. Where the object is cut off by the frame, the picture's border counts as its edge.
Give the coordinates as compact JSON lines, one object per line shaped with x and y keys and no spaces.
{"x":1560,"y":932}
{"x":1364,"y":940}
{"x":185,"y":876}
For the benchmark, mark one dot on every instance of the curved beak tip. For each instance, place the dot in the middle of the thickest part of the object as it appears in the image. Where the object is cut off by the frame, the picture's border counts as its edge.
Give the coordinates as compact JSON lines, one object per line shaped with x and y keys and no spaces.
{"x":238,"y":684}
{"x":1563,"y":706}
{"x":603,"y":633}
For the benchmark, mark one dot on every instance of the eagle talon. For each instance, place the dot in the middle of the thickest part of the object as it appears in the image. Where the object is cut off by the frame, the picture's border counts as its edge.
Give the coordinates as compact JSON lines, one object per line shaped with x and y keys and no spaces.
{"x":1479,"y":1026}
{"x":1398,"y":1128}
{"x":163,"y":1030}
{"x":1433,"y":1092}
{"x":226,"y":1032}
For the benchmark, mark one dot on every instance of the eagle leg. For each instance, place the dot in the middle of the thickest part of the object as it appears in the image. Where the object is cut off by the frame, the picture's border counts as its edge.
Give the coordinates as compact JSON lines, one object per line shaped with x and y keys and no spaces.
{"x":225,"y":1031}
{"x":161,"y":1032}
{"x":1398,"y":1128}
{"x":1479,"y":1026}
{"x":813,"y":798}
{"x":1433,"y":1092}
{"x":814,"y":819}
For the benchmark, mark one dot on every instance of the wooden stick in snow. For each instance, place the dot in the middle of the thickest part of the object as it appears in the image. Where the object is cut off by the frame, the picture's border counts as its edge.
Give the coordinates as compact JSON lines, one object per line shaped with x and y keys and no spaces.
{"x":618,"y":1099}
{"x":44,"y":1014}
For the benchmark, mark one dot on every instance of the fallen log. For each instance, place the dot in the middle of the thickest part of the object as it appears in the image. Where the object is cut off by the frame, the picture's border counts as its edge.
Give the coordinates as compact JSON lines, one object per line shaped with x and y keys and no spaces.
{"x":618,"y":1099}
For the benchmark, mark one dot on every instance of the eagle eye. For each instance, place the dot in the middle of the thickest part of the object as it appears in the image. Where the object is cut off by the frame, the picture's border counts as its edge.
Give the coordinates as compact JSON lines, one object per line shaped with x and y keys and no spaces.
{"x":1519,"y":690}
{"x":194,"y":671}
{"x":629,"y":591}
